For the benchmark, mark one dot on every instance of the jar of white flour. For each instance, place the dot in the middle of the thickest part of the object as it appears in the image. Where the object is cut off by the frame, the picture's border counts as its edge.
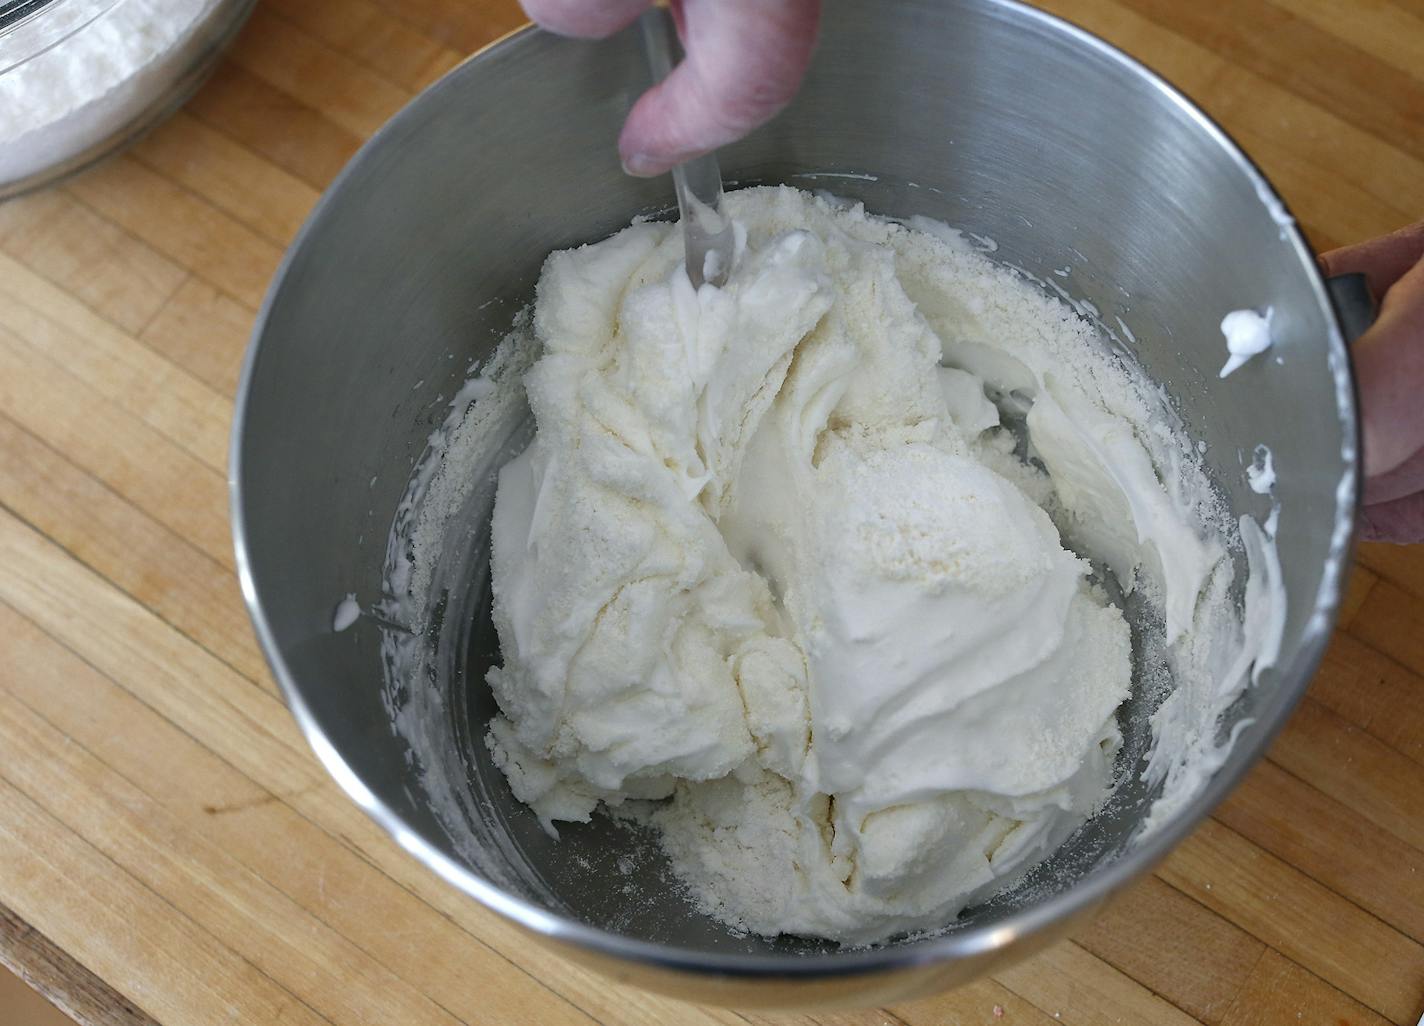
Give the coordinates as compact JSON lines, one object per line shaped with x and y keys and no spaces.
{"x":80,"y":78}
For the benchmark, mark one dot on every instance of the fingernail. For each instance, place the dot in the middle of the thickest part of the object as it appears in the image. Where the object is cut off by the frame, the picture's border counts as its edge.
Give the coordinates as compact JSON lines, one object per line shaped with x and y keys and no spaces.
{"x":640,"y":165}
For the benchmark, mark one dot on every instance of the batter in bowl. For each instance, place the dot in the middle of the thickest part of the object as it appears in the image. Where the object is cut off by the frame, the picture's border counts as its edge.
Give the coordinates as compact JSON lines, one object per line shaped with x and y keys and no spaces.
{"x":773,"y":557}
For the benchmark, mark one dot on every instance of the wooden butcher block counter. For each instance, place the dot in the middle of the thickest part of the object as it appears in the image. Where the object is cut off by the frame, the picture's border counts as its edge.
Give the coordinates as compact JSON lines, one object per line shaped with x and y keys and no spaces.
{"x":171,"y":852}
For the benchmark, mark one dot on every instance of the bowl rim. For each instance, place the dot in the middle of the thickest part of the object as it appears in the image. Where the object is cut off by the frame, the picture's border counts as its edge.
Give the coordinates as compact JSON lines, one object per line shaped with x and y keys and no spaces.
{"x":952,"y":945}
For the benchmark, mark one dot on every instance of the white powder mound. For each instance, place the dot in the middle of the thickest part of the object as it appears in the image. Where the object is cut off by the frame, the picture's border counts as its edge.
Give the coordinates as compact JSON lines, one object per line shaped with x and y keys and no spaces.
{"x":60,"y":103}
{"x":774,"y":562}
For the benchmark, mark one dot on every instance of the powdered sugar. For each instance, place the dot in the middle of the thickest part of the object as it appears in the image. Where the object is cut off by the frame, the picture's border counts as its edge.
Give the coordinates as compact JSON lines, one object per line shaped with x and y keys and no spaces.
{"x":58,"y":104}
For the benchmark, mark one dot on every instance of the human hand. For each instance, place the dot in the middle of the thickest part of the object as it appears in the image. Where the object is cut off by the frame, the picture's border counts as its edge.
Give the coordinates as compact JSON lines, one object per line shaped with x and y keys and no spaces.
{"x":745,"y":60}
{"x":1389,"y":367}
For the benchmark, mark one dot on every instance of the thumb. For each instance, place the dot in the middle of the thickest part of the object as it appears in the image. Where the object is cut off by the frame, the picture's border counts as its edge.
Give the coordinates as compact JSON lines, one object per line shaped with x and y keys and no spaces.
{"x":745,"y":60}
{"x":1382,"y":260}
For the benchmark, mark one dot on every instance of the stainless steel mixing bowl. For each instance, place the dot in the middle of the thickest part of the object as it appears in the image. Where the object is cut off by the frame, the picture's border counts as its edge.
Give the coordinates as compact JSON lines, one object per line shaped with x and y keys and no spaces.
{"x":984,"y":113}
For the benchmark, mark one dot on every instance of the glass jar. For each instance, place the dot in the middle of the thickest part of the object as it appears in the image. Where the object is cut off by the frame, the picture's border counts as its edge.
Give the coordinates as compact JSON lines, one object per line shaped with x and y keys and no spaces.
{"x":80,"y":79}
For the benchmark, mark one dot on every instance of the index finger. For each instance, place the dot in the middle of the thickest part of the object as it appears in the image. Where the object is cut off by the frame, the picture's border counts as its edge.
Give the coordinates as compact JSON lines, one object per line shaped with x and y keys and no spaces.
{"x":1383,"y":261}
{"x":745,"y":59}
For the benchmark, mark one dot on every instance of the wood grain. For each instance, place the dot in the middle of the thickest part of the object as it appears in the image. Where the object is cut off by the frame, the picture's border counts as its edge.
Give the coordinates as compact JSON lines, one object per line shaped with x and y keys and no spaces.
{"x":171,"y":853}
{"x":1301,"y":918}
{"x":277,"y":126}
{"x":181,"y":225}
{"x":1279,"y":991}
{"x":1177,"y":947}
{"x":114,"y":365}
{"x":372,"y":35}
{"x":54,"y":973}
{"x":1367,"y":688}
{"x":93,"y":260}
{"x":1403,"y":565}
{"x":203,"y":331}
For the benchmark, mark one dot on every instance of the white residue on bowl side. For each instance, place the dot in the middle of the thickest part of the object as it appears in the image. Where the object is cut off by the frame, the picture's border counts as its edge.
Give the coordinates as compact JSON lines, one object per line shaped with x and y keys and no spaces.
{"x":1247,"y":333}
{"x":347,"y":612}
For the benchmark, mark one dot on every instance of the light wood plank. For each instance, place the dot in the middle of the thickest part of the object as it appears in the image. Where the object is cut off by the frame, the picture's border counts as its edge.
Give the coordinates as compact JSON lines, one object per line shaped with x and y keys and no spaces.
{"x":331,"y":83}
{"x":1390,"y":621}
{"x":120,"y":638}
{"x":55,"y":975}
{"x":1359,"y":771}
{"x":203,"y":331}
{"x":123,"y":932}
{"x":1376,"y":27}
{"x":1305,"y":921}
{"x":464,"y":25}
{"x":970,"y":1005}
{"x":114,"y":365}
{"x":274,"y":125}
{"x":973,"y":1003}
{"x":982,"y":1001}
{"x":180,"y":225}
{"x":254,"y":191}
{"x":135,"y":460}
{"x":159,"y":568}
{"x":1309,"y":184}
{"x":842,"y":1017}
{"x":1373,"y":691}
{"x":89,"y":257}
{"x":370,"y":34}
{"x":1402,"y":565}
{"x":1414,"y":7}
{"x":1178,"y":948}
{"x":1352,"y":165}
{"x":144,"y":746}
{"x":1279,"y":991}
{"x":1331,"y":843}
{"x":1082,"y":989}
{"x":317,"y":964}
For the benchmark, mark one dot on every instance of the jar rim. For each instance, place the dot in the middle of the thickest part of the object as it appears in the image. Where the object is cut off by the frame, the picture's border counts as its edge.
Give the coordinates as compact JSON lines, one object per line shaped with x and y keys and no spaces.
{"x":30,"y":27}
